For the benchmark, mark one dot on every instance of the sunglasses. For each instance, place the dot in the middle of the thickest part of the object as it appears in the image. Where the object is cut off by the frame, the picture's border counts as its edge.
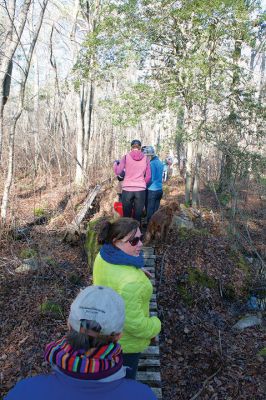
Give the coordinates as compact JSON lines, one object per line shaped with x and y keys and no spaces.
{"x":135,"y":240}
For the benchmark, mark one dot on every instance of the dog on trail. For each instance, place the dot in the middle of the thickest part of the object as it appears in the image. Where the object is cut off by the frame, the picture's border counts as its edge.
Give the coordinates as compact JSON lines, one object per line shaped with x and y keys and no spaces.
{"x":160,"y":222}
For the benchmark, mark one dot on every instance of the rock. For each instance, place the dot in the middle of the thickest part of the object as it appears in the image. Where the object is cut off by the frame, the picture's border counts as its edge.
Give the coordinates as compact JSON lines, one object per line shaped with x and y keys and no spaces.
{"x":250,"y":259}
{"x":247,"y":322}
{"x":252,"y":303}
{"x":180,"y":222}
{"x":189,"y":212}
{"x":22,"y":233}
{"x":65,"y":265}
{"x":29,"y":264}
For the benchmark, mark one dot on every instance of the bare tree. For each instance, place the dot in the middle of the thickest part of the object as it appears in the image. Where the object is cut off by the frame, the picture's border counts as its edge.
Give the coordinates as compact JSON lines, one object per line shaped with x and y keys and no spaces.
{"x":11,"y":142}
{"x":12,"y":39}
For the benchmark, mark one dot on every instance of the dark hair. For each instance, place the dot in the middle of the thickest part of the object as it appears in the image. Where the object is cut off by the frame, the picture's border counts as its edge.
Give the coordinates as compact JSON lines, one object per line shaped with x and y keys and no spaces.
{"x":136,"y":143}
{"x":117,"y":230}
{"x":82,"y":340}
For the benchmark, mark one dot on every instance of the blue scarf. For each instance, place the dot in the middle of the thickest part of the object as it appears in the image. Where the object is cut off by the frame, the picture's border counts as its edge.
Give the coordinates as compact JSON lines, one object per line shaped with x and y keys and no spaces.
{"x":113,"y":255}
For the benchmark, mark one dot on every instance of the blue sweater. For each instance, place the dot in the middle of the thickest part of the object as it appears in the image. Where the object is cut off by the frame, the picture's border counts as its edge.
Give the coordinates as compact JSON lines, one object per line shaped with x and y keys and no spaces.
{"x":57,"y":385}
{"x":156,"y":174}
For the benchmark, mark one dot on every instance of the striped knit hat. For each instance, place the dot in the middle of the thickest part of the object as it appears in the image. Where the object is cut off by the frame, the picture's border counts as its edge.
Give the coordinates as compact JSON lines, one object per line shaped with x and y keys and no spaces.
{"x":97,"y":363}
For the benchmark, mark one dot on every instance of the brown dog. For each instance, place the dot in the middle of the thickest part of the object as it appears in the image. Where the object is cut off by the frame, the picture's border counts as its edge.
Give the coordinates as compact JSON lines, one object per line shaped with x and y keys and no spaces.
{"x":160,"y":222}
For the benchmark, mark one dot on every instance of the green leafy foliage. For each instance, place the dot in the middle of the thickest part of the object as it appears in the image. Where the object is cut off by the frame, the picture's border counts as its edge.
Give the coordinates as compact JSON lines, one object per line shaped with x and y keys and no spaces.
{"x":50,"y":261}
{"x":185,"y":234}
{"x":51,"y":307}
{"x":28,"y":253}
{"x":197,"y":277}
{"x":39,"y":212}
{"x":262,"y":352}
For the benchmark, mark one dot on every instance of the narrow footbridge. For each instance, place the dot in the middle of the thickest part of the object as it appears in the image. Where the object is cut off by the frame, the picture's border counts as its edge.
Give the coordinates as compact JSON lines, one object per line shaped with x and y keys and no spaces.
{"x":149,"y":364}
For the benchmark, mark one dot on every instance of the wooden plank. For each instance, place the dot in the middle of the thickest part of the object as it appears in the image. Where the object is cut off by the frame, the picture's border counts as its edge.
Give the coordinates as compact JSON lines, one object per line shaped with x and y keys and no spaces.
{"x":149,"y":362}
{"x":151,"y":351}
{"x":157,"y":392}
{"x":148,"y":251}
{"x":150,"y":269}
{"x":150,"y":357}
{"x":148,"y":376}
{"x":149,"y":262}
{"x":150,"y":256}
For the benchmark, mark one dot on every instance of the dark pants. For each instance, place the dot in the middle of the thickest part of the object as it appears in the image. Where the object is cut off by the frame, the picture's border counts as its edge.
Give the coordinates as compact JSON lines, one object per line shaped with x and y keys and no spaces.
{"x":133,"y":201}
{"x":131,"y":360}
{"x":153,"y":202}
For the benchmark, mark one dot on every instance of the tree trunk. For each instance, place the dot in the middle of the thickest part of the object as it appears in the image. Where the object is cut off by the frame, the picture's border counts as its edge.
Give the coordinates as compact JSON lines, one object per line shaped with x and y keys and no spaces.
{"x":262,"y":77}
{"x":188,"y":172}
{"x":10,"y":170}
{"x":12,"y":40}
{"x":196,"y":184}
{"x":79,"y":179}
{"x":88,"y":133}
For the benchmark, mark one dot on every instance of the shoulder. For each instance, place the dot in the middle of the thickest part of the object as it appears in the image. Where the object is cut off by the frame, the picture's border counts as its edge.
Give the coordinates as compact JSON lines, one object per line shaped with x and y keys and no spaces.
{"x":29,"y":388}
{"x":134,"y":389}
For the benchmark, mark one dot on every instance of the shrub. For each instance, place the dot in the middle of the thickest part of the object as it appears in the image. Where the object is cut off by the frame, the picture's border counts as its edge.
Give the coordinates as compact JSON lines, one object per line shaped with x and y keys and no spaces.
{"x":28,"y":253}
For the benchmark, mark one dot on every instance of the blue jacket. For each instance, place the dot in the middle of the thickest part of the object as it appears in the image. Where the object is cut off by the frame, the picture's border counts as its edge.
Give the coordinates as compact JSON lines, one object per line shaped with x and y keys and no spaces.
{"x":58,"y":385}
{"x":156,"y":174}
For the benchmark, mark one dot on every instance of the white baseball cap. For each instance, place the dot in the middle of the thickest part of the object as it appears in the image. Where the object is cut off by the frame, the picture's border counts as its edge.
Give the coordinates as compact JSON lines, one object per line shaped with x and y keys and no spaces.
{"x":149,"y":151}
{"x":100,"y":304}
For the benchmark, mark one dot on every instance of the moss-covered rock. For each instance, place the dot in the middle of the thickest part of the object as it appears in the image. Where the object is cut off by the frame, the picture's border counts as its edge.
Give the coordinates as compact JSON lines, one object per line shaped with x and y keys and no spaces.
{"x":91,"y":245}
{"x":241,"y":265}
{"x":197,"y":277}
{"x":239,"y":260}
{"x":28,"y":253}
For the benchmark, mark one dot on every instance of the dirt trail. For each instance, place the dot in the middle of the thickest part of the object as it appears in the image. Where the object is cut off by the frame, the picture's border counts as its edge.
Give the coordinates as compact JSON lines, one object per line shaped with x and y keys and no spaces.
{"x":198,"y":345}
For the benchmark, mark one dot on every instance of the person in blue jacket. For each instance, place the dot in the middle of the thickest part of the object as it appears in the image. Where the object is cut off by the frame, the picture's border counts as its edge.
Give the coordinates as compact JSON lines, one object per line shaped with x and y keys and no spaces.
{"x":87,"y":363}
{"x":155,"y":186}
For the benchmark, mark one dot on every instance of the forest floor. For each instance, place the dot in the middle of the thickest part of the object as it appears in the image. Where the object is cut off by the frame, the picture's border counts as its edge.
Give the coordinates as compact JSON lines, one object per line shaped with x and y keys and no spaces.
{"x":203,"y":285}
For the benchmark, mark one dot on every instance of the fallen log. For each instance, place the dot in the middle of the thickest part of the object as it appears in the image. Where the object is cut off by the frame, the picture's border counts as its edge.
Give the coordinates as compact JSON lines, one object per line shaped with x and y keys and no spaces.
{"x":75,"y":230}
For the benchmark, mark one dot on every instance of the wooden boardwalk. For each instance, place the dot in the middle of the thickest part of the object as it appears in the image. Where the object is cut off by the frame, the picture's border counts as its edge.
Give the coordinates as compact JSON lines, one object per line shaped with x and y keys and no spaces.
{"x":149,"y":364}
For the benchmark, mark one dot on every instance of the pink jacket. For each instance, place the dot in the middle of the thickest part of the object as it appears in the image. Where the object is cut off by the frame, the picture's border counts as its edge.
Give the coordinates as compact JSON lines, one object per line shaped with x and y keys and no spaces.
{"x":137,"y":171}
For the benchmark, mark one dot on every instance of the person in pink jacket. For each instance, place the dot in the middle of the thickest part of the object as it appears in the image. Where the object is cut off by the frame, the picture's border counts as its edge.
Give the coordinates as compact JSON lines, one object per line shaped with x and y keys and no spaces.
{"x":137,"y":174}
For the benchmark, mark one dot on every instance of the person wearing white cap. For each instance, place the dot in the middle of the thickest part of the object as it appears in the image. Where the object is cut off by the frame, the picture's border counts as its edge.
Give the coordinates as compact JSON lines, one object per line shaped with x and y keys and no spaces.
{"x":155,"y":186}
{"x":87,"y":363}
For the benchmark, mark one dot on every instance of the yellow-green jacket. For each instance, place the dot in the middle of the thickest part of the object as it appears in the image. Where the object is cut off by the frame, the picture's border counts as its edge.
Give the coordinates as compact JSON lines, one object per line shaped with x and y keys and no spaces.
{"x":136,"y":290}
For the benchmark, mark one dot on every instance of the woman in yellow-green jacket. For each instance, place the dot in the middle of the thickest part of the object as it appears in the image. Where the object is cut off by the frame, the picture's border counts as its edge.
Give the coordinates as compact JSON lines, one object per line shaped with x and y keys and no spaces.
{"x":119,"y":265}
